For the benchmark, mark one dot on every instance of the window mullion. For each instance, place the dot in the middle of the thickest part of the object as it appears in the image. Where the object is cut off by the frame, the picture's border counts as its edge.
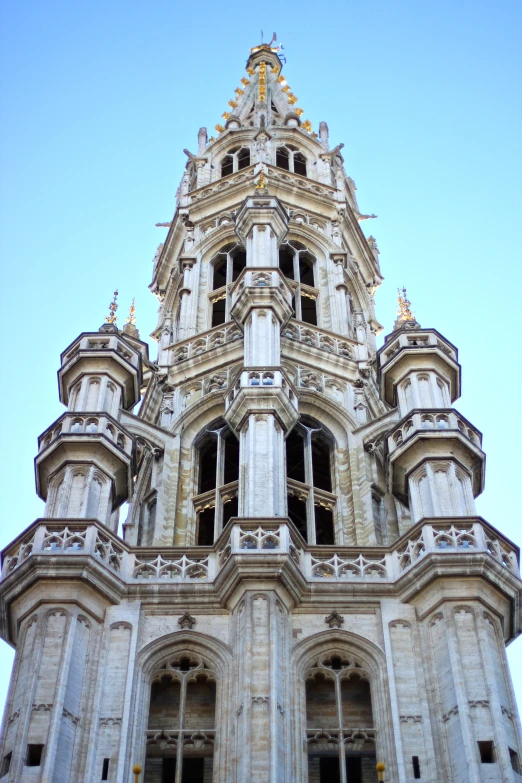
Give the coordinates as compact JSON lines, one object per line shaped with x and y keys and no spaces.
{"x":179,"y":749}
{"x":342,"y":751}
{"x":309,"y":479}
{"x":220,"y":478}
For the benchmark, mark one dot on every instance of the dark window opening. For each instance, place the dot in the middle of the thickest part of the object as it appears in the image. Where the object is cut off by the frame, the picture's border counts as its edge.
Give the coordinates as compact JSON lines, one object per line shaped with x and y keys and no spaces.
{"x":227,"y":165}
{"x":487,"y":752}
{"x":105,"y":769}
{"x":6,"y":763}
{"x":238,"y":264}
{"x":297,"y":513}
{"x":300,"y":164}
{"x":354,"y":769}
{"x":286,"y":262}
{"x":230,"y":509}
{"x":231,"y":466}
{"x":336,"y":663}
{"x":206,"y":526}
{"x":416,"y":767}
{"x":218,"y":312}
{"x":329,"y":770}
{"x":283,"y":158}
{"x":220,"y":274}
{"x":184,"y":664}
{"x":321,"y":463}
{"x":308,"y":311}
{"x":295,"y":466}
{"x":34,"y":755}
{"x":324,"y":526}
{"x":193,"y":770}
{"x":168,"y":770}
{"x":243,"y":158}
{"x":513,"y":757}
{"x":207,"y":465}
{"x":306,"y":271}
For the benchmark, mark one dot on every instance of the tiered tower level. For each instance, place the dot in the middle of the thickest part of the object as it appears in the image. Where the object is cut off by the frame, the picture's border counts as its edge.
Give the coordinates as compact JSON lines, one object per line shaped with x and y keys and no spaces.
{"x":303,"y":587}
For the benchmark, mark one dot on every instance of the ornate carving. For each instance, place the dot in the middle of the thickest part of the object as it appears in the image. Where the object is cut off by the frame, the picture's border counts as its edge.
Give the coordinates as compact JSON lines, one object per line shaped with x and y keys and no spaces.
{"x":186,"y":621}
{"x":447,"y":715}
{"x":334,"y":619}
{"x":261,"y":701}
{"x":109,"y":721}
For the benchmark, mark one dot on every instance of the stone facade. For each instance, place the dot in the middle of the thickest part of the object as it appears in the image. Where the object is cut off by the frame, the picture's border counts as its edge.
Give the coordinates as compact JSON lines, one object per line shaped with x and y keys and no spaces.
{"x":303,"y":588}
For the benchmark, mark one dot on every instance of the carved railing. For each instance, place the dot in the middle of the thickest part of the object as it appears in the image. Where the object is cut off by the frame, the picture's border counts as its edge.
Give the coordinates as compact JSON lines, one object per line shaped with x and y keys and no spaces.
{"x":321,"y":339}
{"x":354,"y":739}
{"x":429,"y":420}
{"x":206,"y":341}
{"x":261,"y":537}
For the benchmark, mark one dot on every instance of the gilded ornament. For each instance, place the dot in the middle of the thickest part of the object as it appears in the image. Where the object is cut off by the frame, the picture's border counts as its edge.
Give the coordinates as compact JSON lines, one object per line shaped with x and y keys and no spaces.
{"x":250,"y":71}
{"x":131,"y":318}
{"x":299,"y":112}
{"x":307,"y":125}
{"x":286,"y":88}
{"x":239,"y":91}
{"x":233,"y":104}
{"x":292,"y":99}
{"x":404,"y":312}
{"x":111,"y":318}
{"x":226,"y":115}
{"x":219,"y":128}
{"x":245,"y":81}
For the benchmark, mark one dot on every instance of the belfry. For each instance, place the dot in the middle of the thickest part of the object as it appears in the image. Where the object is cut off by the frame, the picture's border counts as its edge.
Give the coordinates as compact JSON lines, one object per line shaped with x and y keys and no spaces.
{"x":301,"y":590}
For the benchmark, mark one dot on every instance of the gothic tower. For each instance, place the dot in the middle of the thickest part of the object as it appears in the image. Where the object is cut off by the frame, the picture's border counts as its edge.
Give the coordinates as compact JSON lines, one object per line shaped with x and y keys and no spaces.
{"x":303,"y":589}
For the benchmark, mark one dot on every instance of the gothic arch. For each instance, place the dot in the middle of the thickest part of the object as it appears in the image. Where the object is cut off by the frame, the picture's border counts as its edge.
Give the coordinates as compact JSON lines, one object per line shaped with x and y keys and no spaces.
{"x":372,"y":659}
{"x":155,"y":654}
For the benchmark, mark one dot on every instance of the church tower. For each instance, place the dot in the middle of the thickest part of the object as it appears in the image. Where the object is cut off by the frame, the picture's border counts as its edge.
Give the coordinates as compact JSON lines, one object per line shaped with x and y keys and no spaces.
{"x":303,"y":591}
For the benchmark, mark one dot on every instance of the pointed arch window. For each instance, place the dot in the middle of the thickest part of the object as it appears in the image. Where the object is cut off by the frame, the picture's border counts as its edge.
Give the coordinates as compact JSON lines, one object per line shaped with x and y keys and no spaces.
{"x":182,"y":707}
{"x":309,"y":470}
{"x":298,"y":264}
{"x":226,"y":266}
{"x":217,"y":481}
{"x":235,"y":160}
{"x":340,"y":734}
{"x":291,"y":158}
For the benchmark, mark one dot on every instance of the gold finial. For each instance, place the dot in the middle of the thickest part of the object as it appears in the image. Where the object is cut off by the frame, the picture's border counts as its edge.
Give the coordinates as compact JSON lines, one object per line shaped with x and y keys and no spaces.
{"x":245,"y":82}
{"x":131,"y":318}
{"x":111,"y":318}
{"x":239,"y":91}
{"x":299,"y":112}
{"x":136,"y":771}
{"x":226,"y":115}
{"x":307,"y":125}
{"x":404,"y":312}
{"x":219,"y":128}
{"x":212,"y":138}
{"x":286,"y":88}
{"x":292,"y":99}
{"x":250,"y":71}
{"x":232,"y":104}
{"x":380,"y":770}
{"x":261,"y":183}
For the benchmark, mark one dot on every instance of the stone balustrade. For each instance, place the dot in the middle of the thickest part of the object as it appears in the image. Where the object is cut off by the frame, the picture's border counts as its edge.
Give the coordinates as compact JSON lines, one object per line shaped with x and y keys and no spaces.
{"x":104,"y":341}
{"x":420,"y":339}
{"x":266,"y":377}
{"x":321,"y":339}
{"x":96,"y":425}
{"x":428,"y":420}
{"x":206,"y":341}
{"x":243,"y":537}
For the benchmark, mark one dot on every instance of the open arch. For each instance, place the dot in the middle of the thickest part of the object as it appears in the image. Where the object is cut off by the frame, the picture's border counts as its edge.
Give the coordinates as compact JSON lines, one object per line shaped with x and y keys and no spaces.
{"x":340,"y":681}
{"x":183,"y":679}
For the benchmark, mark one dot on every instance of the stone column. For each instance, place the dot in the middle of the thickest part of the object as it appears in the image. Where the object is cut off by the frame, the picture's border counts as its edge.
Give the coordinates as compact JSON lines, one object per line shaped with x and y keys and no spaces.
{"x":262,"y":711}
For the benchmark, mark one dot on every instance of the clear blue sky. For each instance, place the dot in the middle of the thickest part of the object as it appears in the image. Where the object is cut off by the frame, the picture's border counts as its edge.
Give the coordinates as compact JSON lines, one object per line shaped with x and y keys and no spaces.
{"x":100,"y":98}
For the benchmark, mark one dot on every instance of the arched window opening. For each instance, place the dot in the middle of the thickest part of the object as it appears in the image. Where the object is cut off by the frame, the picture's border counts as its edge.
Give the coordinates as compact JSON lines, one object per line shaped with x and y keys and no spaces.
{"x":182,"y":707}
{"x":291,"y":158}
{"x":311,"y":503}
{"x":218,"y":475}
{"x":227,"y":265}
{"x":339,"y":722}
{"x":235,"y":160}
{"x":297,"y":264}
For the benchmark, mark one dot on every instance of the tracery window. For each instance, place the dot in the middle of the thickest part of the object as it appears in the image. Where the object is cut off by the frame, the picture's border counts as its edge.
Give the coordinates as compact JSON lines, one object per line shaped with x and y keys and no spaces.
{"x":225,"y":269}
{"x":297,"y":264}
{"x":235,"y":160}
{"x":292,"y":159}
{"x":340,"y":734}
{"x":311,"y":503}
{"x":181,"y":728}
{"x":217,"y":481}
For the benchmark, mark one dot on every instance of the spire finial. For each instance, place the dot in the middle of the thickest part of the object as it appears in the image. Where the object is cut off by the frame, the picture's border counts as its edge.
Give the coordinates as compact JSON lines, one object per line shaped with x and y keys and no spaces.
{"x":111,"y":318}
{"x":131,"y":318}
{"x":405,"y":316}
